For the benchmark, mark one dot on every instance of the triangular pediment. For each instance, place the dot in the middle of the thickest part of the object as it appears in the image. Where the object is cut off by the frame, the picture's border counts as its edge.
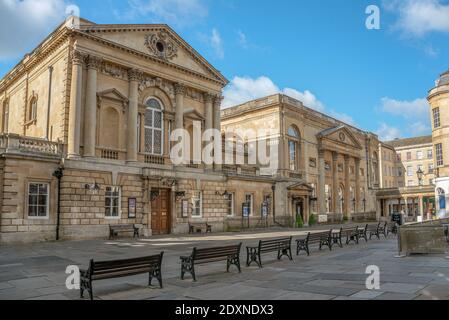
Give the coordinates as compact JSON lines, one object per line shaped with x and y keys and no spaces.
{"x":301,"y":186}
{"x":112,"y":94}
{"x":340,"y":135}
{"x":193,"y":114}
{"x":158,"y":41}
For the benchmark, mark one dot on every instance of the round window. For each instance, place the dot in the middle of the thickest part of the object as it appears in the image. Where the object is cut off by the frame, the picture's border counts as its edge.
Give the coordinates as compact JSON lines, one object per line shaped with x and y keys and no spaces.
{"x":160,"y":46}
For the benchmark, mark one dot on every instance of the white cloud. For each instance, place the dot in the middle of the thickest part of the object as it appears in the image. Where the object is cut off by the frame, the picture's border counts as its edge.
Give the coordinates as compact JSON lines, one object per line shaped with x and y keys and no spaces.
{"x":419,"y":17}
{"x":216,"y":43}
{"x":388,"y":133}
{"x":408,"y":109}
{"x":420,"y":128}
{"x":24,"y":23}
{"x":177,"y":12}
{"x":243,"y":89}
{"x":243,"y":41}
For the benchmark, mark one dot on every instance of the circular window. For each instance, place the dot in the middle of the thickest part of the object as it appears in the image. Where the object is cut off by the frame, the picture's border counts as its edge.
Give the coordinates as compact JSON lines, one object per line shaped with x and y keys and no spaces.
{"x":160,"y":46}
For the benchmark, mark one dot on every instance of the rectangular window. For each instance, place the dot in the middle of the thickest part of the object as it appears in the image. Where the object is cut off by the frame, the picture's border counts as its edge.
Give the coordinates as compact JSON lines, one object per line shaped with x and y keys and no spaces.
{"x":419,"y":155}
{"x":430,"y":154}
{"x":249,"y":198}
{"x":436,"y":118}
{"x":38,"y":200}
{"x":409,"y":156}
{"x":439,"y":154}
{"x":410,"y":171}
{"x":230,"y":204}
{"x":112,"y":202}
{"x":197,"y":205}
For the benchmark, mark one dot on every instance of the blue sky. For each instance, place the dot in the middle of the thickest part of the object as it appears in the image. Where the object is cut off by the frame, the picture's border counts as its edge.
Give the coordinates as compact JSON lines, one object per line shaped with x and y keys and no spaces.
{"x":318,"y":51}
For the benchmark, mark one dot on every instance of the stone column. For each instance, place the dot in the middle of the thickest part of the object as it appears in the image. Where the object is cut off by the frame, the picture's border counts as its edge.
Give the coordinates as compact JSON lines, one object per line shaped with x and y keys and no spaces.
{"x":133,"y":110}
{"x":90,"y":111}
{"x":348,"y":201}
{"x":179,"y":116}
{"x":209,"y":115}
{"x":75,"y":105}
{"x":357,"y":185}
{"x":421,"y":207}
{"x":322,"y":182}
{"x":335,"y":186}
{"x":406,"y":207}
{"x":217,"y":123}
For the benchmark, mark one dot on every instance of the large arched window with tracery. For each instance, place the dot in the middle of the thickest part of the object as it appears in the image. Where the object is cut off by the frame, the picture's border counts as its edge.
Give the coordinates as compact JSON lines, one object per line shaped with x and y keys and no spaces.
{"x":294,"y":139}
{"x":154,"y":120}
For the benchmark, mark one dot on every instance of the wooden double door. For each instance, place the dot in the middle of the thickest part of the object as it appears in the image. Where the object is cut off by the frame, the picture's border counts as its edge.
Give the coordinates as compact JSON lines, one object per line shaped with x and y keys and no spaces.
{"x":160,"y":213}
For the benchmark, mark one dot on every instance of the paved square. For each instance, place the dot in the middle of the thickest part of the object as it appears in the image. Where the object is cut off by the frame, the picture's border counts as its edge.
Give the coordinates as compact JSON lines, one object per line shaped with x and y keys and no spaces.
{"x":38,"y":271}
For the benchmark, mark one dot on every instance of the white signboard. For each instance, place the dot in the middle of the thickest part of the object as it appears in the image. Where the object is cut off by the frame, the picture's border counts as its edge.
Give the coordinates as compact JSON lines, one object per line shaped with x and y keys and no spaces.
{"x":322,"y":218}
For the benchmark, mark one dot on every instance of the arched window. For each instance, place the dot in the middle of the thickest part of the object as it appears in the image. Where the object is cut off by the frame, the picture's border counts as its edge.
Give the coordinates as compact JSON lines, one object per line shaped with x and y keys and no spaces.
{"x":32,"y":109}
{"x":293,"y":148}
{"x":154,"y":127}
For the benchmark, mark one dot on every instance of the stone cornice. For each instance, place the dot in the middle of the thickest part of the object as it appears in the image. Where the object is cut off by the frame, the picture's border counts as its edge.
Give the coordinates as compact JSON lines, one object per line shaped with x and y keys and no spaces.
{"x":48,"y":46}
{"x":140,"y":54}
{"x":157,"y":28}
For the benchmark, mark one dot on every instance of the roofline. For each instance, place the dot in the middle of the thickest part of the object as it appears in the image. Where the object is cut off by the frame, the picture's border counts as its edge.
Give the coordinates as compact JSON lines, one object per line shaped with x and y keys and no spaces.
{"x":282,"y":101}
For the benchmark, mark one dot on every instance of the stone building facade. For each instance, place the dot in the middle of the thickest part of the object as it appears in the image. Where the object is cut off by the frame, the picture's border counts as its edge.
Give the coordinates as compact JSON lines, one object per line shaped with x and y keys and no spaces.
{"x":438,"y":98}
{"x":325,"y":166}
{"x":86,"y":119}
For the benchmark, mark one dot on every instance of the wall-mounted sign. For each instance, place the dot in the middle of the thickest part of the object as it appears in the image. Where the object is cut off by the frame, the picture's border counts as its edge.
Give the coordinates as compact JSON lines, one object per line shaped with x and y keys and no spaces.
{"x":246,"y":209}
{"x":322,"y":218}
{"x":132,"y":208}
{"x":265,"y":210}
{"x":185,"y":208}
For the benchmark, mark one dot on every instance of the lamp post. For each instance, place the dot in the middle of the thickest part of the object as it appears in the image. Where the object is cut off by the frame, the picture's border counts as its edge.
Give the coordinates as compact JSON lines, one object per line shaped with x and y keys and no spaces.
{"x":420,"y":175}
{"x":364,"y":205}
{"x":353,"y":204}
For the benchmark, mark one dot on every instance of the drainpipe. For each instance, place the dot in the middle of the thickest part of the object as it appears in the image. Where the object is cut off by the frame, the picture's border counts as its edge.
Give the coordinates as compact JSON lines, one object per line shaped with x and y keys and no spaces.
{"x":50,"y":79}
{"x":58,"y":174}
{"x":273,"y":188}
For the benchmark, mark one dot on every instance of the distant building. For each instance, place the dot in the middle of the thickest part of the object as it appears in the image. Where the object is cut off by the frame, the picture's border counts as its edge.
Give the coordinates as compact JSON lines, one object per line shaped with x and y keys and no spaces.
{"x":439,"y":112}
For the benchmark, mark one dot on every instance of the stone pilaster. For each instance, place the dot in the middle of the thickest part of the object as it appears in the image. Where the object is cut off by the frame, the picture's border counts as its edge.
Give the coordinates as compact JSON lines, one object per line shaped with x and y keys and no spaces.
{"x":209,"y":115}
{"x":90,"y":112}
{"x":358,"y":201}
{"x":180,"y":90}
{"x":133,"y":108}
{"x":217,"y":124}
{"x":321,"y":183}
{"x":335,"y":197}
{"x":75,"y":105}
{"x":348,"y":200}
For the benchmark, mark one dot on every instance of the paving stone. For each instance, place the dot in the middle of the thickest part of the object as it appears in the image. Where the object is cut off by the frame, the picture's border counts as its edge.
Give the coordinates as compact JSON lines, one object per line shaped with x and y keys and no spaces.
{"x":367,"y":294}
{"x":396,"y":296}
{"x":401,"y":287}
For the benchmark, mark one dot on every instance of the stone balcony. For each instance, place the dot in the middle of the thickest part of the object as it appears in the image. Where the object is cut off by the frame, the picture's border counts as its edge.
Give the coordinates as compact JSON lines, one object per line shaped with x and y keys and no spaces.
{"x":19,"y":145}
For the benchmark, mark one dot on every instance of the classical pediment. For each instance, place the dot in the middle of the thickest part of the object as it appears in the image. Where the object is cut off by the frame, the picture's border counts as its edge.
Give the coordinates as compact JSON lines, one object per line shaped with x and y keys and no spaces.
{"x":158,"y":41}
{"x":193,"y":114}
{"x":340,"y":136}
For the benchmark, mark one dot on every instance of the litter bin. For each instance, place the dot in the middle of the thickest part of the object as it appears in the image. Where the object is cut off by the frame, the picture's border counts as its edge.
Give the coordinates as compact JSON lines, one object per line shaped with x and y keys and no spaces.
{"x":398,"y":218}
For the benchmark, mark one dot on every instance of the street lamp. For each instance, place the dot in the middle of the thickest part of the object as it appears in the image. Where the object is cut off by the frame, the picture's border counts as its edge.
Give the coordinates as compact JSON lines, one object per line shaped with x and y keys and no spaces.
{"x":364,"y":205}
{"x":420,"y":175}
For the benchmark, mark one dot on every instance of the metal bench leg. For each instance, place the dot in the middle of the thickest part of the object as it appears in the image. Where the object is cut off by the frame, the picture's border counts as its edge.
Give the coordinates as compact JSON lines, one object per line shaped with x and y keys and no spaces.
{"x":233,"y":261}
{"x":187,"y":265}
{"x":253,"y":256}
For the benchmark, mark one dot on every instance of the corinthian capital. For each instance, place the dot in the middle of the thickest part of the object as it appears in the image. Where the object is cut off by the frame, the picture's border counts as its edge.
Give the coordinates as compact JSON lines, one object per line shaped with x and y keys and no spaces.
{"x":134,"y":75}
{"x":78,"y":57}
{"x":94,"y":62}
{"x":180,"y":89}
{"x":208,"y":97}
{"x":218,"y":99}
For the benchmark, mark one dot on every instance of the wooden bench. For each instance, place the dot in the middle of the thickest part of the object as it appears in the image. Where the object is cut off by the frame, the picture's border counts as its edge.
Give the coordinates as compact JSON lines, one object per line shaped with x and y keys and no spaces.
{"x":114,"y":230}
{"x":349,"y":233}
{"x":202,"y":256}
{"x":283,"y":247}
{"x":375,"y":230}
{"x":363,"y":232}
{"x":199,"y":227}
{"x":392,"y":228}
{"x":322,"y":238}
{"x":102,"y":270}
